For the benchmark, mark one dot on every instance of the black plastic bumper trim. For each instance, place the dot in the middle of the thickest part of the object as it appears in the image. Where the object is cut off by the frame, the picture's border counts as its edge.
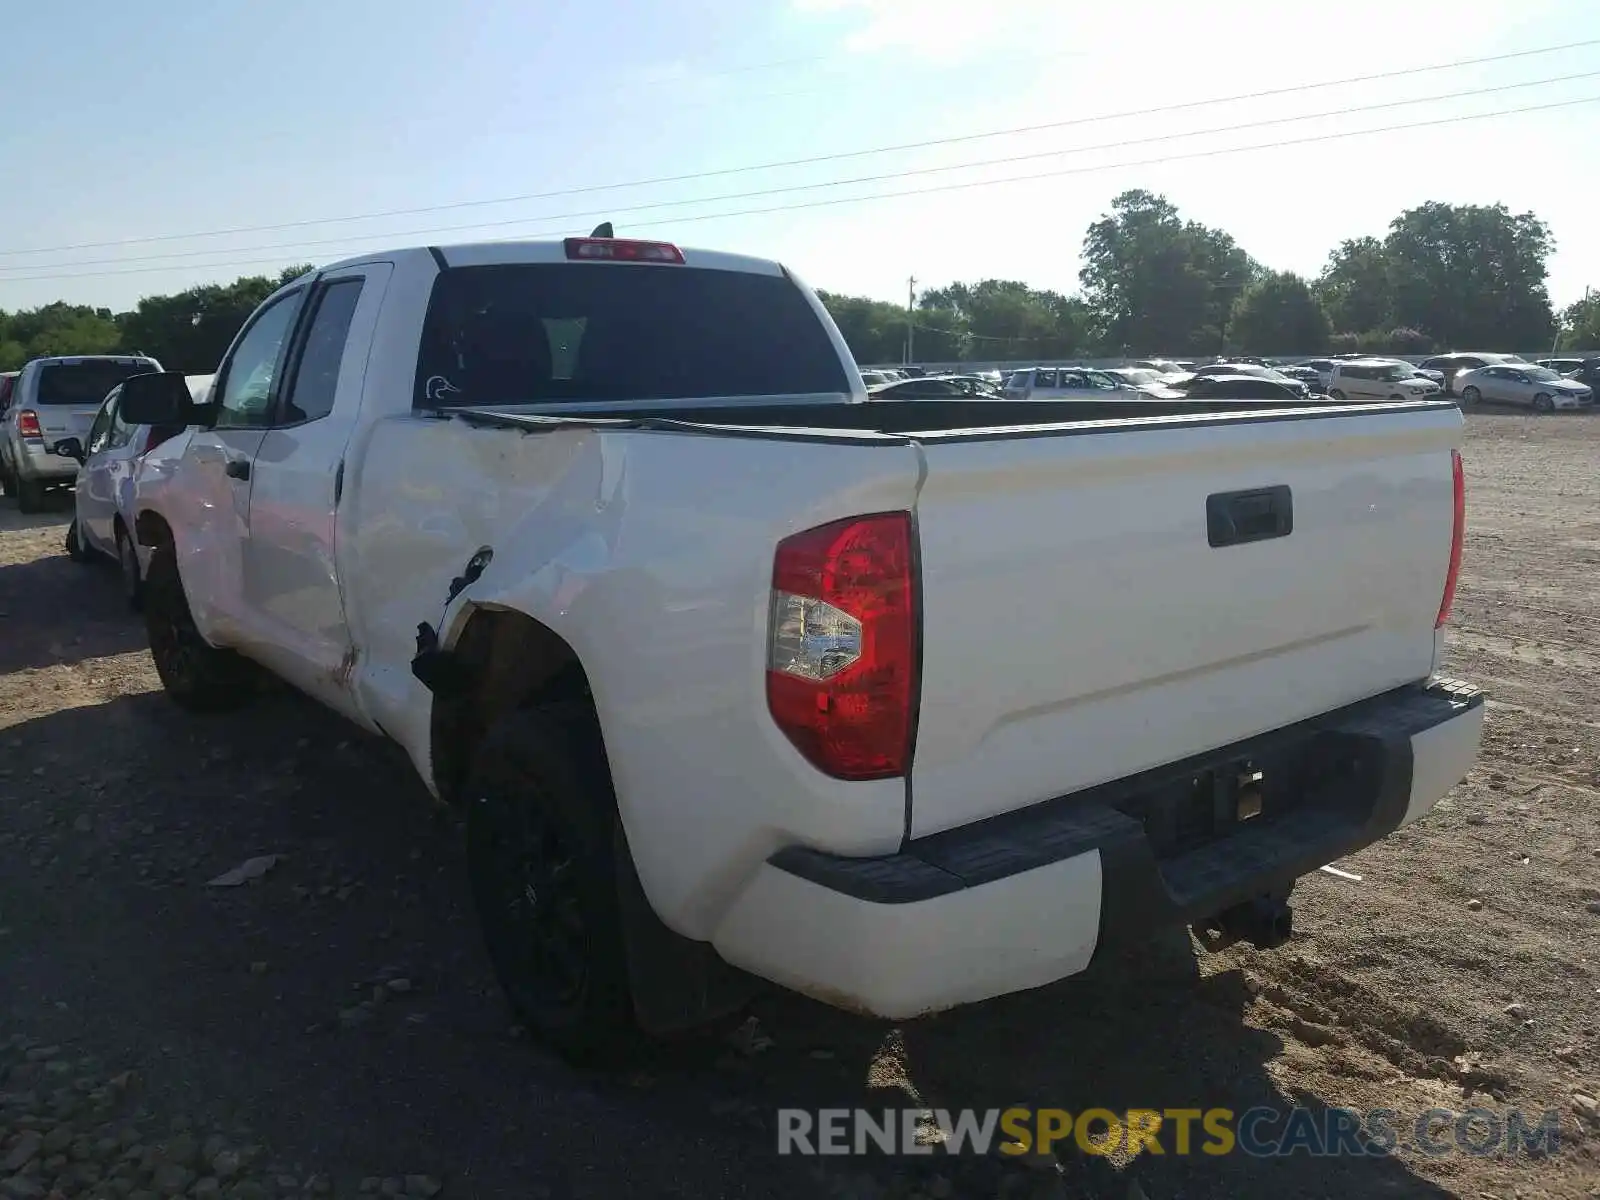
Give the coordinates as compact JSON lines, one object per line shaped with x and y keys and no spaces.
{"x":1357,"y":806}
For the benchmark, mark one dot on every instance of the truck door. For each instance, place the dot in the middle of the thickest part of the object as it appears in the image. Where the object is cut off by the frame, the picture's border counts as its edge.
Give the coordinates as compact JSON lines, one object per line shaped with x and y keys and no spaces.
{"x":291,"y":587}
{"x":218,"y":466}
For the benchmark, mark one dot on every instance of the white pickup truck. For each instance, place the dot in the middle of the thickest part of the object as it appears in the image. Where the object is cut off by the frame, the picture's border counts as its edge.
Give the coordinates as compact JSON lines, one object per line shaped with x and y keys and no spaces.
{"x":738,"y":674}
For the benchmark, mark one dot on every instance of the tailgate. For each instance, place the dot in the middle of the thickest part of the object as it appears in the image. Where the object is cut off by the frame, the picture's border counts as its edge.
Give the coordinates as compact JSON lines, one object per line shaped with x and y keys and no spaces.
{"x":63,"y":421}
{"x":1080,"y":626}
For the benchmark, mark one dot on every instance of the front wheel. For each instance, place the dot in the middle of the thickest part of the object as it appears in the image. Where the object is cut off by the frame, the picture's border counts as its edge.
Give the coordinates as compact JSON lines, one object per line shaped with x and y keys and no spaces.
{"x":197,"y":675}
{"x":77,"y":551}
{"x":1470,"y":395}
{"x":1543,"y":403}
{"x":540,"y":817}
{"x":128,"y":564}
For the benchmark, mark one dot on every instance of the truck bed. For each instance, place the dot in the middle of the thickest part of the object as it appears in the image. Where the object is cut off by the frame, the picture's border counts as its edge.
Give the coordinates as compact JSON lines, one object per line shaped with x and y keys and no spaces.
{"x":930,"y":419}
{"x":1107,"y":587}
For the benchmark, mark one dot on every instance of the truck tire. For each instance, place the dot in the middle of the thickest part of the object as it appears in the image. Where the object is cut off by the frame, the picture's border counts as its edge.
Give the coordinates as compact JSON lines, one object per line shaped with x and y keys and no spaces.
{"x":128,"y":567}
{"x":30,"y":495}
{"x":76,"y":550}
{"x":540,"y":817}
{"x":197,"y":675}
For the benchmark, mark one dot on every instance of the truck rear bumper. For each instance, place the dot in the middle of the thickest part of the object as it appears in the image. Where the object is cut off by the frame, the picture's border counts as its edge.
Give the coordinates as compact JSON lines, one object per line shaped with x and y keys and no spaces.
{"x":1028,"y":897}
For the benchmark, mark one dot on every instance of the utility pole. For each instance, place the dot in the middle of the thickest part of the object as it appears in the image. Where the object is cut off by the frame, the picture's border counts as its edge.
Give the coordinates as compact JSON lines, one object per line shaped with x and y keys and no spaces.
{"x":911,"y":329}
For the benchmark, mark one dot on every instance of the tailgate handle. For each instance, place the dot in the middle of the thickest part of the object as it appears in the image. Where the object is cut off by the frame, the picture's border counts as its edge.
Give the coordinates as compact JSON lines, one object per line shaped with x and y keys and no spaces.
{"x":1233,"y":518}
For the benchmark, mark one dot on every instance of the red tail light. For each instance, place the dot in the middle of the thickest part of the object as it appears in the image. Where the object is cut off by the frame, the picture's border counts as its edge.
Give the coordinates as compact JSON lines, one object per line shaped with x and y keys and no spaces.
{"x":28,"y":424}
{"x":1456,"y":535}
{"x":622,"y":250}
{"x":841,"y":653}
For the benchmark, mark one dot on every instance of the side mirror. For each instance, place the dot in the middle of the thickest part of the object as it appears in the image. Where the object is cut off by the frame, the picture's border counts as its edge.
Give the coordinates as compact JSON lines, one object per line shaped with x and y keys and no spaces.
{"x":70,"y":448}
{"x":159,"y":398}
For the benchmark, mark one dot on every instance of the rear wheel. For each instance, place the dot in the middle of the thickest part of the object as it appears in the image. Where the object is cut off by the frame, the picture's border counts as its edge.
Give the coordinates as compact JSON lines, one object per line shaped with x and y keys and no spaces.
{"x":540,"y":846}
{"x":1471,"y":395}
{"x":77,"y":550}
{"x":1543,"y":403}
{"x":197,"y":675}
{"x":128,"y":564}
{"x":1396,"y":396}
{"x":1336,"y":394}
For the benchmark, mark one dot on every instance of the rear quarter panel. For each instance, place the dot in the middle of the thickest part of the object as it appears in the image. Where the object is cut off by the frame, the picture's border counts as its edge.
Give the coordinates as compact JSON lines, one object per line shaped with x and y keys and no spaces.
{"x":650,"y":554}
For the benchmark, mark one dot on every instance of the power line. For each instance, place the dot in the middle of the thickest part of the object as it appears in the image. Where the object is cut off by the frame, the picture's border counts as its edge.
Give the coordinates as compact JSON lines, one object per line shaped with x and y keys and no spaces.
{"x":953,"y":187}
{"x":790,"y":189}
{"x":821,"y":158}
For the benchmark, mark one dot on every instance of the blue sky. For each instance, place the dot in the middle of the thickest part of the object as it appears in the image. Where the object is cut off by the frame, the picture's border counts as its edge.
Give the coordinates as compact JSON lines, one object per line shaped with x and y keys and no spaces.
{"x":123,"y":123}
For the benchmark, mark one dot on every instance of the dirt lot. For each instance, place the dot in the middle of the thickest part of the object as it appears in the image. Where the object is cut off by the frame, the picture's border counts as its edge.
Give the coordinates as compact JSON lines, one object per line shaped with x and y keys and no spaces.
{"x":333,"y":1029}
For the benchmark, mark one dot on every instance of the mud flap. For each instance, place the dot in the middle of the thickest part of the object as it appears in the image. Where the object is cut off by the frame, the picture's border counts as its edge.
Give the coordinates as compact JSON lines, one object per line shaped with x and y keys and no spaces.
{"x":677,"y":983}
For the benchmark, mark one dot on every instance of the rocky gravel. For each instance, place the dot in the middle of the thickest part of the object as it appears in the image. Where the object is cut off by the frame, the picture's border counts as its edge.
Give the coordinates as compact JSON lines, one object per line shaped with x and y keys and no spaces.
{"x":325,"y":1025}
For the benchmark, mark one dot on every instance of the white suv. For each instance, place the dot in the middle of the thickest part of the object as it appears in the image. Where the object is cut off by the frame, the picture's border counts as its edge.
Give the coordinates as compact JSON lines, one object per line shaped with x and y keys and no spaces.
{"x":1367,"y":379}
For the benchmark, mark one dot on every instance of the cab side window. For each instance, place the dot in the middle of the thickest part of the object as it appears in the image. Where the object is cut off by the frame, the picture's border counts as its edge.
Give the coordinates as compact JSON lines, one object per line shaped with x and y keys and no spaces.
{"x":247,"y":382}
{"x":321,"y":354}
{"x":100,"y":431}
{"x":120,"y":431}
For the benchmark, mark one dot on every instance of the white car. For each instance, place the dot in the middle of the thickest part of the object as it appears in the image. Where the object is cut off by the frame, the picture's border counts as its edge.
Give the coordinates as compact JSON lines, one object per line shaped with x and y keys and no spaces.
{"x":1539,"y":388}
{"x":103,"y":496}
{"x":1445,"y":367}
{"x":1367,"y":379}
{"x":727,"y":665}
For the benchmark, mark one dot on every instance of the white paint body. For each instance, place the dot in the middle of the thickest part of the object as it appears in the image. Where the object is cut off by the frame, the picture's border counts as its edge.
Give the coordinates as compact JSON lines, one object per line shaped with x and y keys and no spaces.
{"x":1076,"y":627}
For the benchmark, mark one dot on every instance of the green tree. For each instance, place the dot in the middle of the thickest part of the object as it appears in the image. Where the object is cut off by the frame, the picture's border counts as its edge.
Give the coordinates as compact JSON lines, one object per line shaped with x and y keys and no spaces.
{"x":1354,"y":287}
{"x":1005,"y":319}
{"x":57,"y":328}
{"x":1158,"y":284}
{"x":1580,"y":325}
{"x":875,"y":330}
{"x":1278,"y":314}
{"x":191,"y":330}
{"x":941,"y":334}
{"x":1471,"y":276}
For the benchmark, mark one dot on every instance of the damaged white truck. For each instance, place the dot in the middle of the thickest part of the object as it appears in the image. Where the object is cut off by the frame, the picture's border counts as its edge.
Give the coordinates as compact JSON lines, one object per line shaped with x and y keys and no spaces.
{"x":737,"y":674}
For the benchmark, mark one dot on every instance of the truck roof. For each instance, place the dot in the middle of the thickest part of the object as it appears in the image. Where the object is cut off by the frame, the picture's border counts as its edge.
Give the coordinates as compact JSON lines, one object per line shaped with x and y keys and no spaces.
{"x":553,"y":250}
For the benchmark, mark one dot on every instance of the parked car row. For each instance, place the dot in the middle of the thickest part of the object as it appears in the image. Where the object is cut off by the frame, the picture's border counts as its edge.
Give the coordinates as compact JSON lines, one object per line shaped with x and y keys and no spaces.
{"x":1545,"y":386}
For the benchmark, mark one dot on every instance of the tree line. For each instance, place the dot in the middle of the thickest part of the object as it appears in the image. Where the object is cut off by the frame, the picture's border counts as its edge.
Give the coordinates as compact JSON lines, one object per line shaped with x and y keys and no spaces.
{"x":1442,"y":277}
{"x":188,"y":331}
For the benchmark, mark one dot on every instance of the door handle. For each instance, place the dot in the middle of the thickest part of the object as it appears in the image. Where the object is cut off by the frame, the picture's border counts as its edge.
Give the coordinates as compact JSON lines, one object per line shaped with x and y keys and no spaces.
{"x":1233,"y":518}
{"x":237,"y":468}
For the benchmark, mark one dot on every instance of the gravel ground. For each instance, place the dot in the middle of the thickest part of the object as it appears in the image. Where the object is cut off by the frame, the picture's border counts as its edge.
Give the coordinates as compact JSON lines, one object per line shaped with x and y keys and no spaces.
{"x":332,"y":1027}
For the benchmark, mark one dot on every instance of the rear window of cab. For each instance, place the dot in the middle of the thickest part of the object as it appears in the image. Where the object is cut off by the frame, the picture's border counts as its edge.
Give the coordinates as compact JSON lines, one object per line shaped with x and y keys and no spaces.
{"x":520,"y":333}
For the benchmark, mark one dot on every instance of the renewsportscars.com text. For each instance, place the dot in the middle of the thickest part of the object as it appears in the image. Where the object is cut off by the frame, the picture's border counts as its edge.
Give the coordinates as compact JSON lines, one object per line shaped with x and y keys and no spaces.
{"x":1259,"y":1132}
